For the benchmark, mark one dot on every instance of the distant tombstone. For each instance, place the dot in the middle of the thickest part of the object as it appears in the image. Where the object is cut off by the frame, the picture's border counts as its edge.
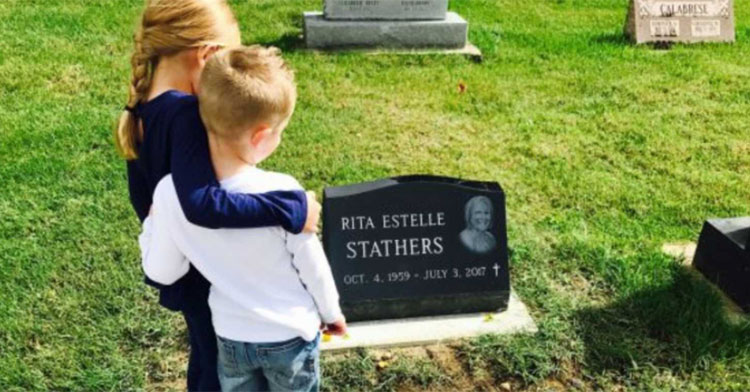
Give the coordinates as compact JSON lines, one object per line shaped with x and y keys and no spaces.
{"x":417,"y":246}
{"x":412,"y":24}
{"x":680,"y":21}
{"x":723,"y":257}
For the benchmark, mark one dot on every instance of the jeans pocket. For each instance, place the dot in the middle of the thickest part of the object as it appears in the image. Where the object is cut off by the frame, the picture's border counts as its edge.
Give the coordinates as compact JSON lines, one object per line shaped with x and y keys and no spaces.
{"x":312,"y":350}
{"x":228,"y":364}
{"x":293,"y":366}
{"x":281,"y":347}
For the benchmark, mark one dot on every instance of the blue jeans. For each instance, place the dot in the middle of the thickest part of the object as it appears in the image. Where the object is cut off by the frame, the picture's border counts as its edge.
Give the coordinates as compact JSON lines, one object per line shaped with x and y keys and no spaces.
{"x":291,"y":365}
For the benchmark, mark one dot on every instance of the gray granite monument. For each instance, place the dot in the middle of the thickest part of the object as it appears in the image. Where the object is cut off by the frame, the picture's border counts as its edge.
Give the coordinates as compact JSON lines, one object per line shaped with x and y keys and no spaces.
{"x":680,"y":21}
{"x":385,"y":10}
{"x":389,"y":24}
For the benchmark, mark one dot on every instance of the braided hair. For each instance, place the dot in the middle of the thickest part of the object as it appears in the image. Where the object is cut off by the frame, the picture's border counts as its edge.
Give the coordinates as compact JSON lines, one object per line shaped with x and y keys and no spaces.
{"x":167,"y":27}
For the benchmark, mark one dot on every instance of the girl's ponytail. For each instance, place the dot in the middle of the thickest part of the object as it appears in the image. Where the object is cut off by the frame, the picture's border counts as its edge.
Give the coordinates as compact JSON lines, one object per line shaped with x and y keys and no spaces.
{"x":167,"y":27}
{"x":128,"y":129}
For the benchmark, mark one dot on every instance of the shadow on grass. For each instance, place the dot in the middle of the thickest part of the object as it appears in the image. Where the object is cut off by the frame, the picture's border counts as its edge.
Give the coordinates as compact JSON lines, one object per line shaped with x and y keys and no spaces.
{"x":616,"y":38}
{"x":684,"y":326}
{"x":290,"y":41}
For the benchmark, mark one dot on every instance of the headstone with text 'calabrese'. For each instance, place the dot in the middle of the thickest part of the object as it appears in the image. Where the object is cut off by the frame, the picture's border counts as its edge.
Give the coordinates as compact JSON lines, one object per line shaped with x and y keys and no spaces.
{"x":417,"y":246}
{"x":680,"y":21}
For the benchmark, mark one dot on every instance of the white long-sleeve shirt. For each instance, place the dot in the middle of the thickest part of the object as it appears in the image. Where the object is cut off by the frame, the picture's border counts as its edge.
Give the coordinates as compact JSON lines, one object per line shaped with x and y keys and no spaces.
{"x":267,"y":285}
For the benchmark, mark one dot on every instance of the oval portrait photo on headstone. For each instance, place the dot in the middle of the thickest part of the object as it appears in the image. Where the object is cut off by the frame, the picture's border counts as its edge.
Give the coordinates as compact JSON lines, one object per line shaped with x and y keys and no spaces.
{"x":476,"y":236}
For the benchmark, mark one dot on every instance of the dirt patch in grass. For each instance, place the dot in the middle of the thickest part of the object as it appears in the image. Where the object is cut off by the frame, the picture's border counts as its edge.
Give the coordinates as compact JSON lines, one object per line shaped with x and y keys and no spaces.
{"x":435,"y":367}
{"x":169,"y":373}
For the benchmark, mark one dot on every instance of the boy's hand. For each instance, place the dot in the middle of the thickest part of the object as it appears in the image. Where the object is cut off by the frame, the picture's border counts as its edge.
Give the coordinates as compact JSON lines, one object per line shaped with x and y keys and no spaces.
{"x":337,"y":327}
{"x":313,"y":213}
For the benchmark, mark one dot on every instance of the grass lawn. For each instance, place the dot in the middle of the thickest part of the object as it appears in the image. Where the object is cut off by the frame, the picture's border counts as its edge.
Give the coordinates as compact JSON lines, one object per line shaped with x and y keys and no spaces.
{"x":606,"y":151}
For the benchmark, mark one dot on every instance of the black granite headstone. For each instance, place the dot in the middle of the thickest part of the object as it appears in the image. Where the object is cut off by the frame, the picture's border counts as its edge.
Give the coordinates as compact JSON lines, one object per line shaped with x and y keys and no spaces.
{"x":723,"y":257}
{"x":417,"y":246}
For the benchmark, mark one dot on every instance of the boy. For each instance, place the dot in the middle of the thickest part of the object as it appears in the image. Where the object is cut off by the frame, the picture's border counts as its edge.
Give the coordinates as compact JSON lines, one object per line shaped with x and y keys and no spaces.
{"x":267,"y":313}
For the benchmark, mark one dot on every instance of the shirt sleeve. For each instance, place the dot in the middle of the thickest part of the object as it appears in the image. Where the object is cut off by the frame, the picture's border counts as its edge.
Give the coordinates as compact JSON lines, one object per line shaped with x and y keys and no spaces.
{"x":140,"y":198}
{"x":311,"y":264}
{"x":201,"y":197}
{"x":162,"y":260}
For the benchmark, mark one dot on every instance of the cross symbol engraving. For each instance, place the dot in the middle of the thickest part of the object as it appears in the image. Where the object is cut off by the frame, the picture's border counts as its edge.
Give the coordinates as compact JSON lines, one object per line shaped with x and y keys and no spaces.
{"x":496,"y":268}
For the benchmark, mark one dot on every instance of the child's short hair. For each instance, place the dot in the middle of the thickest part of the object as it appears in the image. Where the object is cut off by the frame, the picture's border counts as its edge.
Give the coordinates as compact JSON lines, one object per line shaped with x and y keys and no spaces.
{"x":244,"y":86}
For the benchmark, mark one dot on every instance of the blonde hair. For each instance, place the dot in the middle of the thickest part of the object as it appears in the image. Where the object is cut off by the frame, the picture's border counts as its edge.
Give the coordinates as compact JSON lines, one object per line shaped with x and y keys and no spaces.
{"x":244,"y":86}
{"x":167,"y":27}
{"x":472,"y":204}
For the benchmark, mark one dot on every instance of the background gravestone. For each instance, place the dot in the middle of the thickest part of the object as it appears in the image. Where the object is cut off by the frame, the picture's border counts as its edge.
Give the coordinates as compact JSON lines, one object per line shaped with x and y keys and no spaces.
{"x":385,"y":9}
{"x":723,"y":257}
{"x":417,"y":246}
{"x":385,"y":24}
{"x":680,"y":21}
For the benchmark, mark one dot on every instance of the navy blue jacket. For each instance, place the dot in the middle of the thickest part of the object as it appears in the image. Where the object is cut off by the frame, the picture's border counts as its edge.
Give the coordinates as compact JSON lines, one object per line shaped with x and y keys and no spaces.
{"x":175,"y":141}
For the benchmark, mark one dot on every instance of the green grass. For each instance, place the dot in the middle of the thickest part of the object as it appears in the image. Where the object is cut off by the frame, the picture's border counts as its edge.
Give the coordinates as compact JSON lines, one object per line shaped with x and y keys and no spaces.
{"x":605,"y":152}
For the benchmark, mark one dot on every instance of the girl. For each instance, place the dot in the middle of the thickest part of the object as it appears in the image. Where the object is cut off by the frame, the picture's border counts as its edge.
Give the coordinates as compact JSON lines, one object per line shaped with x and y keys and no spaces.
{"x":160,"y":132}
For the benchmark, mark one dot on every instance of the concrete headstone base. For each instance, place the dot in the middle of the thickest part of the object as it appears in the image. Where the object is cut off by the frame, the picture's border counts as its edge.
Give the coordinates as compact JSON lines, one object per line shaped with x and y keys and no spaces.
{"x":469,"y":51}
{"x":429,"y":330}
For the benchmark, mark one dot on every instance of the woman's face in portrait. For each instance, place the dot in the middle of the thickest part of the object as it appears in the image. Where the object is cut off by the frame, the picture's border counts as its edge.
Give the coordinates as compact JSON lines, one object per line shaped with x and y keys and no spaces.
{"x":481,"y":217}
